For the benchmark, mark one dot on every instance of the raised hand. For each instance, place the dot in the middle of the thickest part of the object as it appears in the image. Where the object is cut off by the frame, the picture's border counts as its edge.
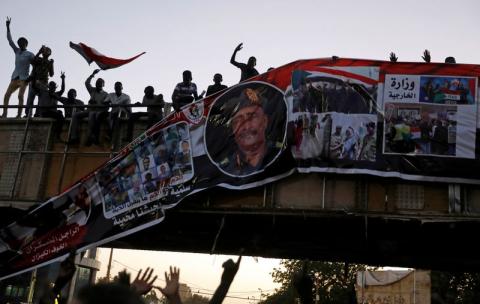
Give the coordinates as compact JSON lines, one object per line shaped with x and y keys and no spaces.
{"x":171,"y":283}
{"x":426,"y":56}
{"x":393,"y":57}
{"x":62,"y":75}
{"x":95,"y":71}
{"x":230,"y":269}
{"x":239,"y":47}
{"x":144,"y":284}
{"x":8,"y":21}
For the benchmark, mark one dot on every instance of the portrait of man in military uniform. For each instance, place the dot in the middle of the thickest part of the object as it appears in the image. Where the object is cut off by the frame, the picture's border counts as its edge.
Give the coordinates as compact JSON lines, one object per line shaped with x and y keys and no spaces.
{"x":252,"y":119}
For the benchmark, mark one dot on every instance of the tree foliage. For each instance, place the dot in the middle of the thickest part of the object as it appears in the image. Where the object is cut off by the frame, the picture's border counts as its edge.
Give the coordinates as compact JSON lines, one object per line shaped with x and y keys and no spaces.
{"x":455,"y":287}
{"x":333,"y":282}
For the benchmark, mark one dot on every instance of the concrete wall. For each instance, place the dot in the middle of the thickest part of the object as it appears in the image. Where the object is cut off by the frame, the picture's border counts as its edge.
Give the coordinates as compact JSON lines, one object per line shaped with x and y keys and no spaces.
{"x":412,"y":289}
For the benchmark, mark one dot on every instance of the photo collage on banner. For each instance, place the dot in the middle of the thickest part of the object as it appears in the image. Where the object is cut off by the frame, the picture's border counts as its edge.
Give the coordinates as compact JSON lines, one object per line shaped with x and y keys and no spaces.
{"x":430,"y":115}
{"x":59,"y":224}
{"x":335,"y":113}
{"x":145,"y":174}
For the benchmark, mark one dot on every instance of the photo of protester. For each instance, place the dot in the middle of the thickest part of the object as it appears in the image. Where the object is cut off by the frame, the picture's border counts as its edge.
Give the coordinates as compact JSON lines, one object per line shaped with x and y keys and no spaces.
{"x":447,"y":90}
{"x":316,"y":92}
{"x":354,"y":137}
{"x":312,"y":135}
{"x":421,"y":129}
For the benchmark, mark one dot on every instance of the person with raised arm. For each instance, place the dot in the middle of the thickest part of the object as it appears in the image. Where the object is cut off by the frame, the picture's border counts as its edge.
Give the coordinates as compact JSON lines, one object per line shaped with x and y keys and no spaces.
{"x":19,"y":79}
{"x":248,"y":69}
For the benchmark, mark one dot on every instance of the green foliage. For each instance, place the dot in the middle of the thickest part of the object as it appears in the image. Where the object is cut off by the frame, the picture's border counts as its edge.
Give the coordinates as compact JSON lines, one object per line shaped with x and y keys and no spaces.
{"x":333,"y":282}
{"x":455,"y":287}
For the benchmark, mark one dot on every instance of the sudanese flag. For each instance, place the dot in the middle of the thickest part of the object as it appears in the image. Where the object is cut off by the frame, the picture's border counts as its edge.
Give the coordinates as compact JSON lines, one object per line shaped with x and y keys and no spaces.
{"x":104,"y":62}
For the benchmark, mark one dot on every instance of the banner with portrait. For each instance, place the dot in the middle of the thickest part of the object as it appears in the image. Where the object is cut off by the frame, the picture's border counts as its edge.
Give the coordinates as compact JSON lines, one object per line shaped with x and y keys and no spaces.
{"x":411,"y":121}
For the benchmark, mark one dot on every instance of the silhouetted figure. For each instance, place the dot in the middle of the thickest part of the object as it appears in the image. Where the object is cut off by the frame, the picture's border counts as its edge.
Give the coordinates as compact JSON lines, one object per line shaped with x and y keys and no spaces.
{"x":154,"y":104}
{"x":217,"y":86}
{"x":248,"y":70}
{"x":19,"y":79}
{"x":426,"y":56}
{"x":185,"y":92}
{"x":450,"y":59}
{"x":42,"y":70}
{"x":95,"y":115}
{"x":47,"y":100}
{"x":117,"y":100}
{"x":71,"y":100}
{"x":230,"y":269}
{"x":393,"y":57}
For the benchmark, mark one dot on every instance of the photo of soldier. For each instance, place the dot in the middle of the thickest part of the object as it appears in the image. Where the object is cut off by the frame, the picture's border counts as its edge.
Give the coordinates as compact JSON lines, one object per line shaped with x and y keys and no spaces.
{"x":354,"y":137}
{"x":250,"y":119}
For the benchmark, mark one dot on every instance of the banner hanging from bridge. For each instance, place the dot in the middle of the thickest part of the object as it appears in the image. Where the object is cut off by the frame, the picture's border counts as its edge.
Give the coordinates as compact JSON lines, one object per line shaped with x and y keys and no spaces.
{"x":413,"y":121}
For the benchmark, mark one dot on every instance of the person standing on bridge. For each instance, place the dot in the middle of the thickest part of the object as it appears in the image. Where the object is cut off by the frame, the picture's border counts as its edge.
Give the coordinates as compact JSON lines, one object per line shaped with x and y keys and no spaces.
{"x":248,"y":70}
{"x":185,"y":92}
{"x":217,"y":85}
{"x":23,"y":59}
{"x":97,"y":98}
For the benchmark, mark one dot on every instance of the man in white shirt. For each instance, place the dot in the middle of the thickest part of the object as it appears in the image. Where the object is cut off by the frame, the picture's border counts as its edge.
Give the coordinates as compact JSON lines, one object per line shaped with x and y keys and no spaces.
{"x":117,"y":100}
{"x":23,"y":58}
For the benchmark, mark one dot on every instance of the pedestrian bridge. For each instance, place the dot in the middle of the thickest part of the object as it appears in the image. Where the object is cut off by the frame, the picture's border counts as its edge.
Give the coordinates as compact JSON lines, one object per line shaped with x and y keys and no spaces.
{"x":355,"y":218}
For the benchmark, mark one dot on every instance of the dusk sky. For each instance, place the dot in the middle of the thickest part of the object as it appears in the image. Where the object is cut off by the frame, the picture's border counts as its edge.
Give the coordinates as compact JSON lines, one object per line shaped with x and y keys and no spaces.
{"x":201,"y":36}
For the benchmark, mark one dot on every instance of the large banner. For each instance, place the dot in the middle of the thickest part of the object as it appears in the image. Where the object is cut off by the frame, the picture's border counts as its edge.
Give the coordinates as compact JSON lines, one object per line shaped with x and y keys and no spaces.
{"x":412,"y":121}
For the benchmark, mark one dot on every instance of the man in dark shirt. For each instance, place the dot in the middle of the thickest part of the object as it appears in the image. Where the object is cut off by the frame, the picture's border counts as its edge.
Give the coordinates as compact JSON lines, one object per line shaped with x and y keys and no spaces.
{"x":248,"y":70}
{"x":95,"y":114}
{"x":185,"y":92}
{"x":42,"y":69}
{"x":47,"y":100}
{"x":73,"y":103}
{"x":154,"y":104}
{"x":217,"y":86}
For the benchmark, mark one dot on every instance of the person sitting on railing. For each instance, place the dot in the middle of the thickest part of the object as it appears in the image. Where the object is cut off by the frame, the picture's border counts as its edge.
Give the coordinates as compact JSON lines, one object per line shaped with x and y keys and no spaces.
{"x":185,"y":92}
{"x":154,"y":104}
{"x":217,"y":85}
{"x":94,"y":114}
{"x":72,"y":103}
{"x":248,"y":70}
{"x":23,"y":58}
{"x":42,"y":70}
{"x":47,"y":102}
{"x":117,"y":100}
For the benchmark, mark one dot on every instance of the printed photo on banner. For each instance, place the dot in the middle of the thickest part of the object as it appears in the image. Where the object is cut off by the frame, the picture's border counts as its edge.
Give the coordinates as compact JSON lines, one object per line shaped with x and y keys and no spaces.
{"x":344,"y":91}
{"x":425,"y":129}
{"x":246,"y":128}
{"x":50,"y":229}
{"x":127,"y":183}
{"x":353,"y":137}
{"x":448,"y":89}
{"x":430,"y":89}
{"x":312,"y":135}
